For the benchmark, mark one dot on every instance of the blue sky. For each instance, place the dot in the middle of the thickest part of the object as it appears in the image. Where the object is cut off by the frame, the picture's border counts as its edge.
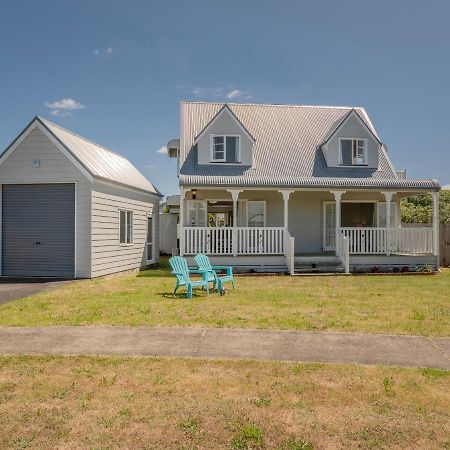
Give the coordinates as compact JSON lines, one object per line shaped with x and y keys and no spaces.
{"x":125,"y":66}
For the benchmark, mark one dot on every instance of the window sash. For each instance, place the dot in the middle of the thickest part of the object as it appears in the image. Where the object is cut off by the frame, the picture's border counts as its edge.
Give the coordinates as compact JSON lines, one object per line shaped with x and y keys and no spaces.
{"x":223,"y":145}
{"x":125,"y":227}
{"x":256,"y":213}
{"x":358,"y":152}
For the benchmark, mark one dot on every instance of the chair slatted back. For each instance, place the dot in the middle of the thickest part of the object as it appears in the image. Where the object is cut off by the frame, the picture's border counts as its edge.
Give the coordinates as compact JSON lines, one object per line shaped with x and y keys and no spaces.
{"x":180,"y":267}
{"x":203,"y":262}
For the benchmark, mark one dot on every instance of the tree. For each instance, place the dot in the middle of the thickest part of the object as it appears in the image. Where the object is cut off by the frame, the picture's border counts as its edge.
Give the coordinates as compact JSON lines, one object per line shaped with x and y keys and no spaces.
{"x":419,"y":208}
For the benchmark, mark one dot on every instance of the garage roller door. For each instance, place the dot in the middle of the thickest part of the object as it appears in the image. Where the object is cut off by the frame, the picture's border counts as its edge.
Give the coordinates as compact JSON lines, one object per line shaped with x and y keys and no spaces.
{"x":38,"y":230}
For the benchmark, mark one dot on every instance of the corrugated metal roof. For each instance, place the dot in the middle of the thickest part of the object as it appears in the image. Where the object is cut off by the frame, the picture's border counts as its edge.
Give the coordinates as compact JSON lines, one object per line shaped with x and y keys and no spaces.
{"x":100,"y":161}
{"x":286,"y":150}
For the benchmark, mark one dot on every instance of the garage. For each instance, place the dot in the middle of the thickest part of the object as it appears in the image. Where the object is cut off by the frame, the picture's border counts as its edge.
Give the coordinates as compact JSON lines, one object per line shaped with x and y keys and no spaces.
{"x":38,"y":230}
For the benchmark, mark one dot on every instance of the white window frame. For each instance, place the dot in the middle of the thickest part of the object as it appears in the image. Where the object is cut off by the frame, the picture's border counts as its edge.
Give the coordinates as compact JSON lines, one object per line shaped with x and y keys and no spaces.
{"x":153,"y":257}
{"x":196,"y":202}
{"x":248,"y":209}
{"x":224,"y":160}
{"x":127,"y":244}
{"x":354,"y":162}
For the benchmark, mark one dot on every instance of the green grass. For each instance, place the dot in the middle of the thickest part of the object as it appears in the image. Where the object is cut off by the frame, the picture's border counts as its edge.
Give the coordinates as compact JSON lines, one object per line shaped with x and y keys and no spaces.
{"x":137,"y":403}
{"x":418,"y":305}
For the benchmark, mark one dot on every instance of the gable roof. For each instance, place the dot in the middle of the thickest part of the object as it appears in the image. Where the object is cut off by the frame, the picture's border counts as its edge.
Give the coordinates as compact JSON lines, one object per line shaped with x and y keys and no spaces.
{"x":225,"y":108}
{"x":286,"y":151}
{"x":98,"y":161}
{"x":341,"y":122}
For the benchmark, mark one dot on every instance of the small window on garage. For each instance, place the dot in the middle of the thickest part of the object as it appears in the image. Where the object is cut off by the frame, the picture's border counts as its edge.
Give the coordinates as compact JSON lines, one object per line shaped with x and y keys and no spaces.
{"x":126,"y":227}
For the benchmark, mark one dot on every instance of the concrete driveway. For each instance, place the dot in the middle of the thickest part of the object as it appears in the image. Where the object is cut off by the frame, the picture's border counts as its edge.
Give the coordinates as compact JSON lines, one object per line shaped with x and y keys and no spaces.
{"x":14,"y":291}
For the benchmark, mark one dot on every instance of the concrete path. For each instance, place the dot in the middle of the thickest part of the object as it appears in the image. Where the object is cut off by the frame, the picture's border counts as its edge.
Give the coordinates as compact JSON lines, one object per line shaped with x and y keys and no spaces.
{"x":406,"y":351}
{"x":14,"y":291}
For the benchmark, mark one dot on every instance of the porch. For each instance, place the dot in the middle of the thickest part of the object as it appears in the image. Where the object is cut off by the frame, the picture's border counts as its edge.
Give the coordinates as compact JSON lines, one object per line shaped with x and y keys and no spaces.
{"x":295,"y":230}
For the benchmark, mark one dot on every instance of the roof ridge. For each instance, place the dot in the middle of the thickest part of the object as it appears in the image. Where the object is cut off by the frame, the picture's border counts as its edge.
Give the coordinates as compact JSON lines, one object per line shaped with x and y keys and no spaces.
{"x":284,"y":105}
{"x":81,"y":137}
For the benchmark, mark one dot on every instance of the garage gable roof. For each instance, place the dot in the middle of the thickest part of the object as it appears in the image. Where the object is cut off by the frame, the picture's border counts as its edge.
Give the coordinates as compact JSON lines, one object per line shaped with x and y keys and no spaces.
{"x":98,"y":161}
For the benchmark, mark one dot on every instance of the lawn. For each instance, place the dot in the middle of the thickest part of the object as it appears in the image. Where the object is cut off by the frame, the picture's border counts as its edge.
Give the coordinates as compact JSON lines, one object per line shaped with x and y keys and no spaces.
{"x":93,"y":402}
{"x":418,"y":305}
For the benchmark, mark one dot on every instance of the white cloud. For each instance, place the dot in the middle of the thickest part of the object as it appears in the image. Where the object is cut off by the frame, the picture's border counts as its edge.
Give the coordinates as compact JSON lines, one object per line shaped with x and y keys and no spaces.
{"x":58,"y":113}
{"x":65,"y":103}
{"x":216,"y":92}
{"x":108,"y":51}
{"x":162,"y":150}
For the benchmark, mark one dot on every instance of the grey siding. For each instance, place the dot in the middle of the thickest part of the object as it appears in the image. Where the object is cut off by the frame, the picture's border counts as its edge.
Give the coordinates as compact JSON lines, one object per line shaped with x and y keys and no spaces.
{"x":55,"y":167}
{"x":108,"y":256}
{"x":224,"y":124}
{"x":352,"y":128}
{"x":38,"y":230}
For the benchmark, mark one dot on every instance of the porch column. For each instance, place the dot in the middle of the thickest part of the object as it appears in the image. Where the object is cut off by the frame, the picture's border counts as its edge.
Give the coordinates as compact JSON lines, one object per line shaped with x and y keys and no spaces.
{"x":234,"y":195}
{"x":337,"y":198}
{"x":388,"y":197}
{"x":436,"y":220}
{"x":181,"y":224}
{"x":286,"y":195}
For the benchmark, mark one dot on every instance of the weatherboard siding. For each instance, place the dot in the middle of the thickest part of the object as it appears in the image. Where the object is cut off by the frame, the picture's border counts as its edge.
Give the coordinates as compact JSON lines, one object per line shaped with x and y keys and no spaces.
{"x":54,"y":167}
{"x":108,"y":256}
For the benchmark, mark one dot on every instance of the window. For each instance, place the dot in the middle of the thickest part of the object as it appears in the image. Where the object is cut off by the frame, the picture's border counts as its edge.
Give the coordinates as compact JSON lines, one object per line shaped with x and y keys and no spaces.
{"x":382,"y":215}
{"x":196,"y":213}
{"x":353,"y":152}
{"x":225,"y":149}
{"x":126,"y":227}
{"x":256,"y":214}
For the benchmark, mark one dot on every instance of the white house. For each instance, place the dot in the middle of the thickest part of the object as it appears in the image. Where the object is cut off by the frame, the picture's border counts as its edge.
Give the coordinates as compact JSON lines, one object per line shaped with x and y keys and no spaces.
{"x":281,"y":187}
{"x":71,"y":208}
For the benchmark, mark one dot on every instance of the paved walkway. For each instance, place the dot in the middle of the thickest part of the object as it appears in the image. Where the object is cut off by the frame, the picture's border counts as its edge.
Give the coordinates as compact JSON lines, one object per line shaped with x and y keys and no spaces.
{"x":14,"y":291}
{"x":406,"y":351}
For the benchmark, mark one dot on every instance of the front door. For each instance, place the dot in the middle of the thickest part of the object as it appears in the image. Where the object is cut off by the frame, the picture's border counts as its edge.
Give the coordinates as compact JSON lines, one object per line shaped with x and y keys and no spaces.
{"x":329,"y":226}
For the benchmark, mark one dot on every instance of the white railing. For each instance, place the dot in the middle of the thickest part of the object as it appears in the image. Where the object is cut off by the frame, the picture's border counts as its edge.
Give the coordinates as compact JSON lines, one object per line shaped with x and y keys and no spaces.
{"x":289,"y":244}
{"x":260,"y":241}
{"x":208,"y":240}
{"x":343,"y":250}
{"x":395,"y":240}
{"x":412,"y":240}
{"x":233,"y":241}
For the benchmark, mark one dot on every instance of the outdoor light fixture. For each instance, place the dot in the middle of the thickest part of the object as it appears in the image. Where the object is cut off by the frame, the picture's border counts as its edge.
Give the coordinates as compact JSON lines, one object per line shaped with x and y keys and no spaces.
{"x":194,"y":194}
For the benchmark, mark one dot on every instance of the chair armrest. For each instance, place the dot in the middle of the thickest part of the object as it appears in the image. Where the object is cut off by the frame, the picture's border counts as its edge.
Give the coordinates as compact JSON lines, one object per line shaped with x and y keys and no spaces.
{"x":229,"y":269}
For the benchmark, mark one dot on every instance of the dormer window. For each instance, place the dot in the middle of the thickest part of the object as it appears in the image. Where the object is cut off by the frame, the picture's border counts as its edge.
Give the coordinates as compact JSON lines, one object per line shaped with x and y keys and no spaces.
{"x":353,"y":152}
{"x":225,"y":149}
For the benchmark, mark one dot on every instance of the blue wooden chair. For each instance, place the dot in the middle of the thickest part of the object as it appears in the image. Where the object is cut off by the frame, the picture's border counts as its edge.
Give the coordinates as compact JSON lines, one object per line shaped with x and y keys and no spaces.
{"x":181,"y":271}
{"x":204,"y":264}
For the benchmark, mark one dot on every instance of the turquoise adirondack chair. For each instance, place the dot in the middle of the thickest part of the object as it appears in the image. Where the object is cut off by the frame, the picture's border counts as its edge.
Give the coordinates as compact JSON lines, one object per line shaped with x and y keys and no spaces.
{"x":181,"y":271}
{"x":203,"y":263}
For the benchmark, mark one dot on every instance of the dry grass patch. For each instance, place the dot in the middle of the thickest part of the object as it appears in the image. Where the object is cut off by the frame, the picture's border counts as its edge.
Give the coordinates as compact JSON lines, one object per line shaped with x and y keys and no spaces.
{"x":390,"y":304}
{"x":87,"y":402}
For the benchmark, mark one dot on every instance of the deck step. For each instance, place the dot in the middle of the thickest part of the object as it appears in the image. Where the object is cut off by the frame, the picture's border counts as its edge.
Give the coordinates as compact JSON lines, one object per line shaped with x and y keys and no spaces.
{"x":319,"y":269}
{"x":316,"y":259}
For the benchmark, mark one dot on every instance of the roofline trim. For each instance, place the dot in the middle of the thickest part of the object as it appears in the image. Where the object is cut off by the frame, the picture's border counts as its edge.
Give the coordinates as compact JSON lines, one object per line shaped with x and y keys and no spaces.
{"x":215,"y":117}
{"x":104,"y":180}
{"x":37,"y":123}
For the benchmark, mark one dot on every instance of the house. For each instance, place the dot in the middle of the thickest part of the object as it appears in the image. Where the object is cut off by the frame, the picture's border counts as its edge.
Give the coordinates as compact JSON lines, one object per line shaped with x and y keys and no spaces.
{"x":296,"y":188}
{"x":169,"y":218}
{"x":71,"y":208}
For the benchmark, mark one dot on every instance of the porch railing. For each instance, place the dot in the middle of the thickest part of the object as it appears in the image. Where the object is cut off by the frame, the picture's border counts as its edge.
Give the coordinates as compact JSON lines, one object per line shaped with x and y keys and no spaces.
{"x":385,"y":241}
{"x":233,"y":241}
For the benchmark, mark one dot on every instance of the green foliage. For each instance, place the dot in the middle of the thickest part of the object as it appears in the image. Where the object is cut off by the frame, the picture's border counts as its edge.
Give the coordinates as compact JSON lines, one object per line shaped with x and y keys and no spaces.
{"x":249,"y":436}
{"x":419,"y":208}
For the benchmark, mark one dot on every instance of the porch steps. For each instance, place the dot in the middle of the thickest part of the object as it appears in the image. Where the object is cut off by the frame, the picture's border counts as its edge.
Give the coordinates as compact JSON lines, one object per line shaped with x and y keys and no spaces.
{"x":317,"y":264}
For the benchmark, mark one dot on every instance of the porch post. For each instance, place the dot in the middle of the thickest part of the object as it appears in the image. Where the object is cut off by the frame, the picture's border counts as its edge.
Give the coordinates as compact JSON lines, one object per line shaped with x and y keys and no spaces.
{"x":436,"y":220}
{"x":234,"y":195}
{"x":388,"y":197}
{"x":337,"y":198}
{"x":286,"y":195}
{"x":181,"y":224}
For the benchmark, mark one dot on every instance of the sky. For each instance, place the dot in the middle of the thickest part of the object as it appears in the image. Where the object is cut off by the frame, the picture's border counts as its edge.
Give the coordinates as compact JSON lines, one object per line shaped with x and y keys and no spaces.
{"x":116,"y":71}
